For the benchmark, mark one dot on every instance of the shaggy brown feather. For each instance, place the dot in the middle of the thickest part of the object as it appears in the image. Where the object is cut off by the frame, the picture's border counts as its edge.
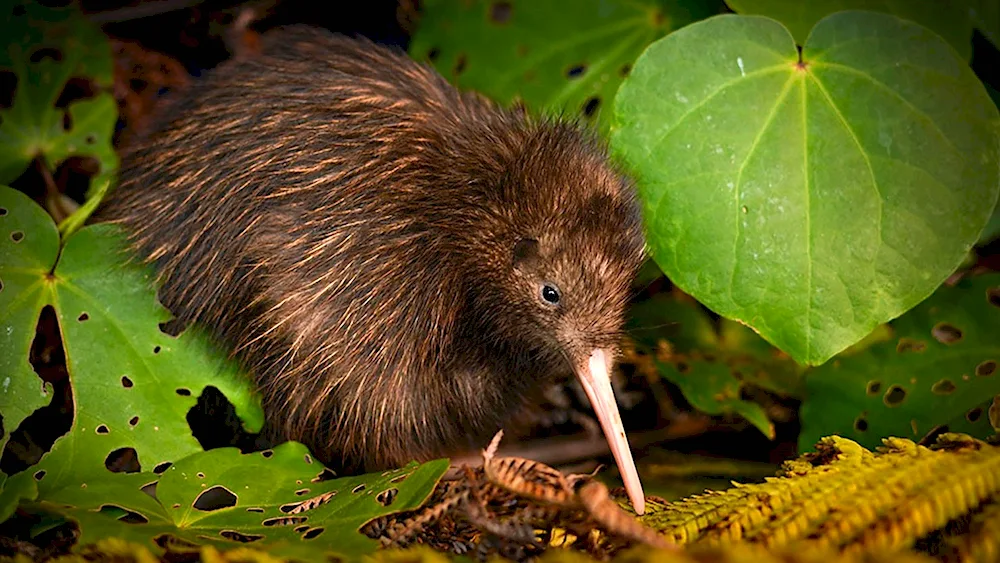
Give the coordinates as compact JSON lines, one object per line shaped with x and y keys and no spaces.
{"x":372,"y":243}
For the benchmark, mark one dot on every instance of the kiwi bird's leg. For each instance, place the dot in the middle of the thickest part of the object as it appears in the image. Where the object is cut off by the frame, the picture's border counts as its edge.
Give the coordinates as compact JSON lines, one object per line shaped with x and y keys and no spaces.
{"x":595,"y":376}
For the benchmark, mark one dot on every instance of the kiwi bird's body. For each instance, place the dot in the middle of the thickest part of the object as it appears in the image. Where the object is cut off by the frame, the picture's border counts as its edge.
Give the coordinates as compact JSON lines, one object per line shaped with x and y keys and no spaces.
{"x":397,"y":263}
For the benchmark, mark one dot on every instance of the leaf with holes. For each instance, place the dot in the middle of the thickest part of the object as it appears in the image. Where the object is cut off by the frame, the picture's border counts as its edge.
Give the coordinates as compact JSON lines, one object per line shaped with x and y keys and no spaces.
{"x":132,"y":384}
{"x":811,"y":200}
{"x":940,"y":368}
{"x":29,"y":245}
{"x":554,"y":59}
{"x":713,"y":367}
{"x":49,"y":47}
{"x":219,"y":497}
{"x":949,"y":19}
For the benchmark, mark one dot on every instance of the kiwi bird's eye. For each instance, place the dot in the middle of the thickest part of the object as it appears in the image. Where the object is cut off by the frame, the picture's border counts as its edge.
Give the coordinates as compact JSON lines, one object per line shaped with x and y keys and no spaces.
{"x":550,"y":294}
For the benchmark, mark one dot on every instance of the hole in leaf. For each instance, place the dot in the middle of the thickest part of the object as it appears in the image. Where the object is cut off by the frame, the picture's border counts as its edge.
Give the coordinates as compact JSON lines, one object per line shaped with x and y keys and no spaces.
{"x":910,"y":345}
{"x":215,"y":498}
{"x":400,"y":479}
{"x":215,"y":424}
{"x":500,"y":12}
{"x":126,"y":382}
{"x":861,"y":423}
{"x":173,"y":327}
{"x":17,"y":236}
{"x":8,"y":87}
{"x":125,"y":515}
{"x":943,"y":387}
{"x":75,"y":89}
{"x":315,"y":532}
{"x":993,"y":296}
{"x":39,"y":475}
{"x":625,"y":70}
{"x":45,"y":53}
{"x":386,"y":497}
{"x":149,"y":488}
{"x":83,"y":317}
{"x":326,"y":475}
{"x":267,"y":453}
{"x":123,"y":460}
{"x":946,"y":333}
{"x":974,"y":415}
{"x":300,"y":529}
{"x":102,"y":429}
{"x":256,"y":509}
{"x":433,"y":54}
{"x":90,"y":139}
{"x":683,"y":367}
{"x":590,"y":107}
{"x":284,"y":521}
{"x":201,"y":475}
{"x":894,"y":396}
{"x":301,"y":492}
{"x":67,"y":121}
{"x":576,"y":71}
{"x":358,"y":489}
{"x":459,"y":67}
{"x":156,"y":349}
{"x":873,"y":387}
{"x":1,"y":285}
{"x":35,"y":435}
{"x":133,"y":421}
{"x":233,"y":535}
{"x":183,"y":391}
{"x":987,"y":368}
{"x":3,"y":211}
{"x":161,"y":467}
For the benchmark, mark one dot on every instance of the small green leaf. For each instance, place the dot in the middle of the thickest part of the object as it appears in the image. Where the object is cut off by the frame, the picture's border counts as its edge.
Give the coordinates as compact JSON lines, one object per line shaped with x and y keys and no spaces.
{"x":942,"y":364}
{"x":947,"y":18}
{"x":219,"y":496}
{"x":810,"y":200}
{"x":711,"y":367}
{"x":553,"y":57}
{"x":711,"y":388}
{"x":46,"y":48}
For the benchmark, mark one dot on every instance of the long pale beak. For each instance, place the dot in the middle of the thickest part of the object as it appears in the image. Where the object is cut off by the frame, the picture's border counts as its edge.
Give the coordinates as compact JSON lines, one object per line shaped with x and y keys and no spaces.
{"x":595,"y":377}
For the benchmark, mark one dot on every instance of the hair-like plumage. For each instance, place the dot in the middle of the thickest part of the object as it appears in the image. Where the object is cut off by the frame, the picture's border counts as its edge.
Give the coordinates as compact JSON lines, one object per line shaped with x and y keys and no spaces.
{"x":347,"y":222}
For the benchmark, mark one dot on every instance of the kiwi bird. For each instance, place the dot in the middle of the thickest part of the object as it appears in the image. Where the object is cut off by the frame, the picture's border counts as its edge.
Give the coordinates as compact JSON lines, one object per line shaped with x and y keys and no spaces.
{"x":400,"y":265}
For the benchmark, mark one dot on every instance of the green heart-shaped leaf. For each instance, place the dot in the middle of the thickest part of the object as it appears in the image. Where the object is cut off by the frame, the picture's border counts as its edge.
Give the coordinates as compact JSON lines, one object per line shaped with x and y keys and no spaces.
{"x":816,"y":198}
